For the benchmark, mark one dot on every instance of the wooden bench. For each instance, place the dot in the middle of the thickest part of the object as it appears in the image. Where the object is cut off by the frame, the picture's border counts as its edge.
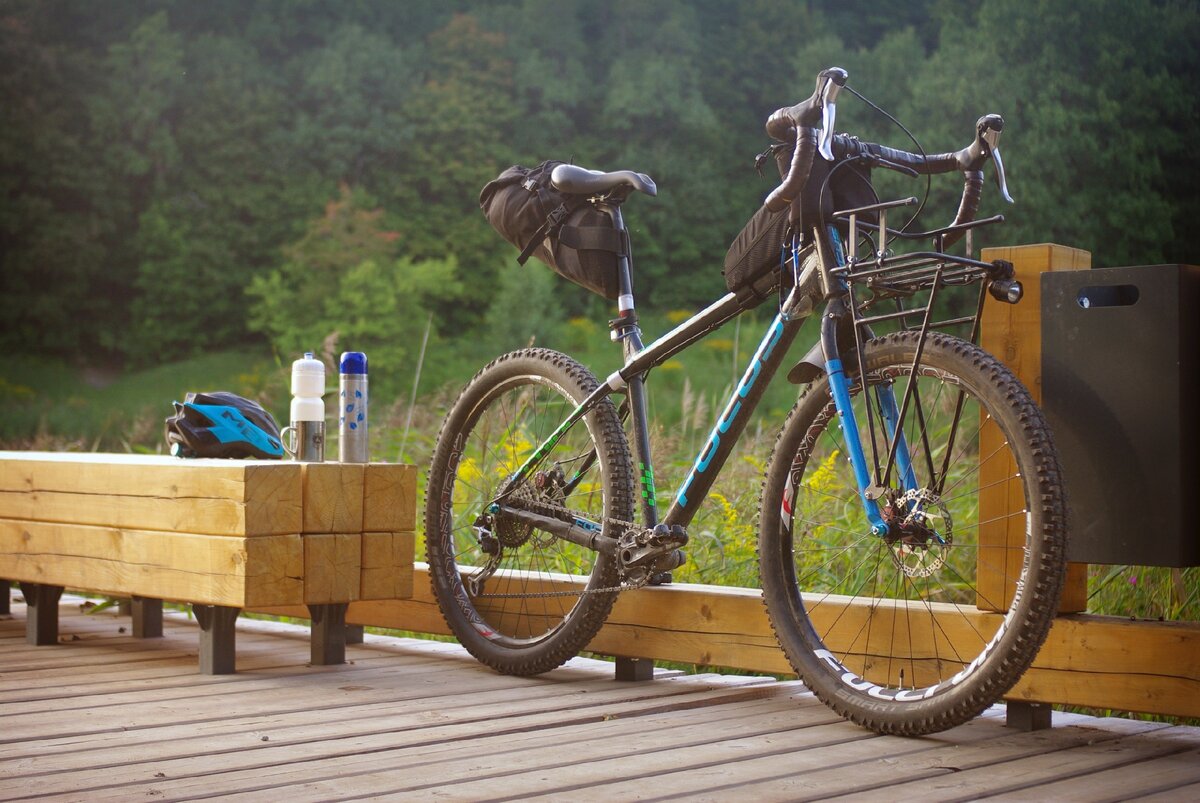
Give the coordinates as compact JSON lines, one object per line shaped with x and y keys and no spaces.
{"x":221,"y":535}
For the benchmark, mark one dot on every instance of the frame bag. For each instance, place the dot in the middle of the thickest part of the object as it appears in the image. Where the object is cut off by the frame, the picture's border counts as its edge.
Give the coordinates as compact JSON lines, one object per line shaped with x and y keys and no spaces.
{"x":564,"y":231}
{"x":757,"y":253}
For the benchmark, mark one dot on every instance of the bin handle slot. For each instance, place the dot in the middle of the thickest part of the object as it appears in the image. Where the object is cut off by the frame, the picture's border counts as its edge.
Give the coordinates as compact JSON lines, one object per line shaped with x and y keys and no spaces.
{"x":1113,"y":295}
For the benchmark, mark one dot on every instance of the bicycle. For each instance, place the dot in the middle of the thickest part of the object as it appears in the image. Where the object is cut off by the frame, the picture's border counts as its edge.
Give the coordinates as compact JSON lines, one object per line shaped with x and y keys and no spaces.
{"x":876,"y":546}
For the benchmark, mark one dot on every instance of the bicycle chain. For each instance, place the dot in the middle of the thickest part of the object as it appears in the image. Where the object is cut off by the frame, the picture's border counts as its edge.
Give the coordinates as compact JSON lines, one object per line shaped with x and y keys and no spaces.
{"x":558,"y":511}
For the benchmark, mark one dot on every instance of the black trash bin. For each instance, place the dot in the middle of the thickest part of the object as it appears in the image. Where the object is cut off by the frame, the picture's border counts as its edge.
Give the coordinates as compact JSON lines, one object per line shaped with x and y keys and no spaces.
{"x":1120,"y":359}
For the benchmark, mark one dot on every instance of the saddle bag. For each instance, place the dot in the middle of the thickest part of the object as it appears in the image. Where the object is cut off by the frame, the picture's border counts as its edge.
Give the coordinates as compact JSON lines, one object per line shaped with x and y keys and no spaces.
{"x":564,"y":231}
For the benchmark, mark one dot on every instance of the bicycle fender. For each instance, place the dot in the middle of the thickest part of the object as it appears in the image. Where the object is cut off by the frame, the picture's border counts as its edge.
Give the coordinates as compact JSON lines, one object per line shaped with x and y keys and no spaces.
{"x":812,"y":365}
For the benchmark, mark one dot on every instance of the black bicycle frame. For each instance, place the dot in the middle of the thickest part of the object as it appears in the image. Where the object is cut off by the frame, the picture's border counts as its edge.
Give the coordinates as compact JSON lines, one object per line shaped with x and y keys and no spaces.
{"x":838,"y":314}
{"x":630,"y":380}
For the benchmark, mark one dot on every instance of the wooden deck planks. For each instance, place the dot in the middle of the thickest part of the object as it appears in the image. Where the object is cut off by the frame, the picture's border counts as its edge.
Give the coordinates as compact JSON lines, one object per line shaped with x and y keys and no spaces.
{"x":129,"y":719}
{"x":354,"y":754}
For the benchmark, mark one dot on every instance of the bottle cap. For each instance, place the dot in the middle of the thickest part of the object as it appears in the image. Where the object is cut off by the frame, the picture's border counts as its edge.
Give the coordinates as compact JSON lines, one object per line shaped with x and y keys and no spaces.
{"x":308,"y":376}
{"x":353,"y":362}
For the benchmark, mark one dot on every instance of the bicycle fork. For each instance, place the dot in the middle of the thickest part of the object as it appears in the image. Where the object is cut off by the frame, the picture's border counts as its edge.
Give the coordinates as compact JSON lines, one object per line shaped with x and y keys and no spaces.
{"x":870,"y":492}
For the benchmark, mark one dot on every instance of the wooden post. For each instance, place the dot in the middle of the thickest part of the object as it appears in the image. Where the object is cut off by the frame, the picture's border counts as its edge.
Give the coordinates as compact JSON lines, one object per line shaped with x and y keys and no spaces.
{"x":327,"y":639}
{"x":218,"y":638}
{"x":41,"y":613}
{"x":1013,"y":332}
{"x":147,"y":617}
{"x":5,"y":597}
{"x":634,"y":669}
{"x":1028,"y":717}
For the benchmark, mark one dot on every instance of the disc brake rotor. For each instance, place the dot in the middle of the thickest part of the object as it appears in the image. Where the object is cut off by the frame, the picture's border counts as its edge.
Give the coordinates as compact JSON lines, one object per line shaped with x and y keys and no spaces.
{"x":922,"y":532}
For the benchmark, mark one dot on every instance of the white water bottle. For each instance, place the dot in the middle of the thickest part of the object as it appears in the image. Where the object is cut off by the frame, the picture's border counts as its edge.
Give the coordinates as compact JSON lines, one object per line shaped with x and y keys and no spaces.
{"x":305,"y":439}
{"x":352,"y":411}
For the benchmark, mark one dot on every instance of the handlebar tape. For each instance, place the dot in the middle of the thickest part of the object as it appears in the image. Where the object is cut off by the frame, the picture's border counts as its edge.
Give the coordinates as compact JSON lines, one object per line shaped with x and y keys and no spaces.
{"x":972,"y":190}
{"x":793,"y":183}
{"x":925,"y":165}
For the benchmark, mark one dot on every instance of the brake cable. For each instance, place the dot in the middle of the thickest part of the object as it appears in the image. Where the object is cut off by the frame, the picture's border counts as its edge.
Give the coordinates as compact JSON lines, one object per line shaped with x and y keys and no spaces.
{"x":921,"y":150}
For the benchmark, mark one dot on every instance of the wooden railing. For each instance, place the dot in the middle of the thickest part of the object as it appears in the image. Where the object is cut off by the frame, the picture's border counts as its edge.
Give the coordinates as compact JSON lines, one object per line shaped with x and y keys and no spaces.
{"x":1103,"y":662}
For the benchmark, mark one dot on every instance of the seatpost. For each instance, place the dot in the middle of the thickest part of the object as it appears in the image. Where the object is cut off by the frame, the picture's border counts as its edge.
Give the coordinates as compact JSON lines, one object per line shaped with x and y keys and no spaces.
{"x":625,"y":329}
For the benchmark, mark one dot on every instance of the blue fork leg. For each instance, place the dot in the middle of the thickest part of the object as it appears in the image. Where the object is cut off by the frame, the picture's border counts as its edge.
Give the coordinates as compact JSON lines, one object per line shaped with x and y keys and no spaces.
{"x":891,"y":416}
{"x":839,"y":387}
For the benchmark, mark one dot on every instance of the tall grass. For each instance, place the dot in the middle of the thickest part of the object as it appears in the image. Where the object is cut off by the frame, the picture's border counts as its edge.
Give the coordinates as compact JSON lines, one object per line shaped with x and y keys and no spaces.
{"x":58,"y":407}
{"x":49,"y":405}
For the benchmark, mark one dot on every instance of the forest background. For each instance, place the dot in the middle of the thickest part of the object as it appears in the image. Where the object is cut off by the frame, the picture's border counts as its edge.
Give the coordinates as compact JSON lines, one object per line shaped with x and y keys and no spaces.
{"x":194,"y":193}
{"x":178,"y":178}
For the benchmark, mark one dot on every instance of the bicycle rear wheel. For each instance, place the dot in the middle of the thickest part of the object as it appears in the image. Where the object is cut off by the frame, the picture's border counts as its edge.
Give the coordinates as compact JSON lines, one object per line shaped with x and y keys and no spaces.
{"x":919,"y":630}
{"x":519,"y":599}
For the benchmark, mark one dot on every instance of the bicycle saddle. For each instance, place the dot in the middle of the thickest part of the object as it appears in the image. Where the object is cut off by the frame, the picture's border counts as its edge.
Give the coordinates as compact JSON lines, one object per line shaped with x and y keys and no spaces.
{"x":577,"y":180}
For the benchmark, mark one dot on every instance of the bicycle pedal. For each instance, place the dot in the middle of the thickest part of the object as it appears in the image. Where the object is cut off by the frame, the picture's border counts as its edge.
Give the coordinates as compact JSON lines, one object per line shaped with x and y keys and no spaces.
{"x":674,"y":534}
{"x":659,"y":579}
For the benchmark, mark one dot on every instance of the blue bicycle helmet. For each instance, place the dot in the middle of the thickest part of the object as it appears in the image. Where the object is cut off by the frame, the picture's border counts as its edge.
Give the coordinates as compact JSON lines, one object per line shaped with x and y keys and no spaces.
{"x":222,"y":424}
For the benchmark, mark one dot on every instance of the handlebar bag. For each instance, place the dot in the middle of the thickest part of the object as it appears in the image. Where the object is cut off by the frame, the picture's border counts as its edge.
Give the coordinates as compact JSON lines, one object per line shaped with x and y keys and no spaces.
{"x":758,"y":250}
{"x":846,"y":186}
{"x":577,"y":241}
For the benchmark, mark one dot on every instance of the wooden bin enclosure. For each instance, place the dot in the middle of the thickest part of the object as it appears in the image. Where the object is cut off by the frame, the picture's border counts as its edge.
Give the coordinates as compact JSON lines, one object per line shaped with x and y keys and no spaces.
{"x":233,"y":533}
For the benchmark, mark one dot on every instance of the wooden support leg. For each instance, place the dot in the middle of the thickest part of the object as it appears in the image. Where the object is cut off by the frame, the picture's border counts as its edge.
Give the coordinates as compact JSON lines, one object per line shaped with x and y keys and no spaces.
{"x":41,"y":613}
{"x":328,"y":639}
{"x":354,"y":634}
{"x":5,"y":594}
{"x":147,"y":617}
{"x":217,"y":638}
{"x":633,"y":669}
{"x":124,"y":606}
{"x":1028,"y":716}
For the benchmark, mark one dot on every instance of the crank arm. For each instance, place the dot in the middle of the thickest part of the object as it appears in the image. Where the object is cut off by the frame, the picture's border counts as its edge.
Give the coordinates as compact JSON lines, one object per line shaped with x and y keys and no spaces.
{"x":575,"y":532}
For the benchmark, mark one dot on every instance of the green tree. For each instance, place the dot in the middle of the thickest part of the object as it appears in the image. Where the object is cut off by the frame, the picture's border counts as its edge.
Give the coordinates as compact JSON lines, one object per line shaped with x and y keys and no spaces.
{"x":1091,"y":110}
{"x":59,"y":214}
{"x":157,"y":157}
{"x":342,"y":287}
{"x":225,"y":207}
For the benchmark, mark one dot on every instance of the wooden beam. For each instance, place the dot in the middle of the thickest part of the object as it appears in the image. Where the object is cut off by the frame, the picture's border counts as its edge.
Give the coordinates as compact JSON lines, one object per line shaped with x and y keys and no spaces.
{"x":143,"y":492}
{"x":1098,"y":661}
{"x":332,"y":567}
{"x":333,"y":497}
{"x":1113,"y":662}
{"x":1013,"y":332}
{"x":208,"y":569}
{"x":390,"y":498}
{"x":387,"y":566}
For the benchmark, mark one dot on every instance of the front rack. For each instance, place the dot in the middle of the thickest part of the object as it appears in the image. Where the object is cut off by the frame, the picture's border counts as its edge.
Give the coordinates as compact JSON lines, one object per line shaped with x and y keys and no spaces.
{"x":901,"y":277}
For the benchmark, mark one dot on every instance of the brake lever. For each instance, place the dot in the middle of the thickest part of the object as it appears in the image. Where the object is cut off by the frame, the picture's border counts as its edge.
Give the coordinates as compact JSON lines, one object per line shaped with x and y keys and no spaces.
{"x":992,"y":138}
{"x":835,"y":79}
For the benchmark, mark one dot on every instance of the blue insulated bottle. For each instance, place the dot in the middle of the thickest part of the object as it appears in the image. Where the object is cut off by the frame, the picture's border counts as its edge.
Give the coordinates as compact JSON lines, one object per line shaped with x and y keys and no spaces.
{"x":352,"y":412}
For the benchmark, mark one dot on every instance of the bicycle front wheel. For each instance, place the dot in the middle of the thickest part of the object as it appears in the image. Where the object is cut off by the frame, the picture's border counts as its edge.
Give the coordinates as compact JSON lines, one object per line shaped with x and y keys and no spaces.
{"x":920,"y":629}
{"x":522,"y":600}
